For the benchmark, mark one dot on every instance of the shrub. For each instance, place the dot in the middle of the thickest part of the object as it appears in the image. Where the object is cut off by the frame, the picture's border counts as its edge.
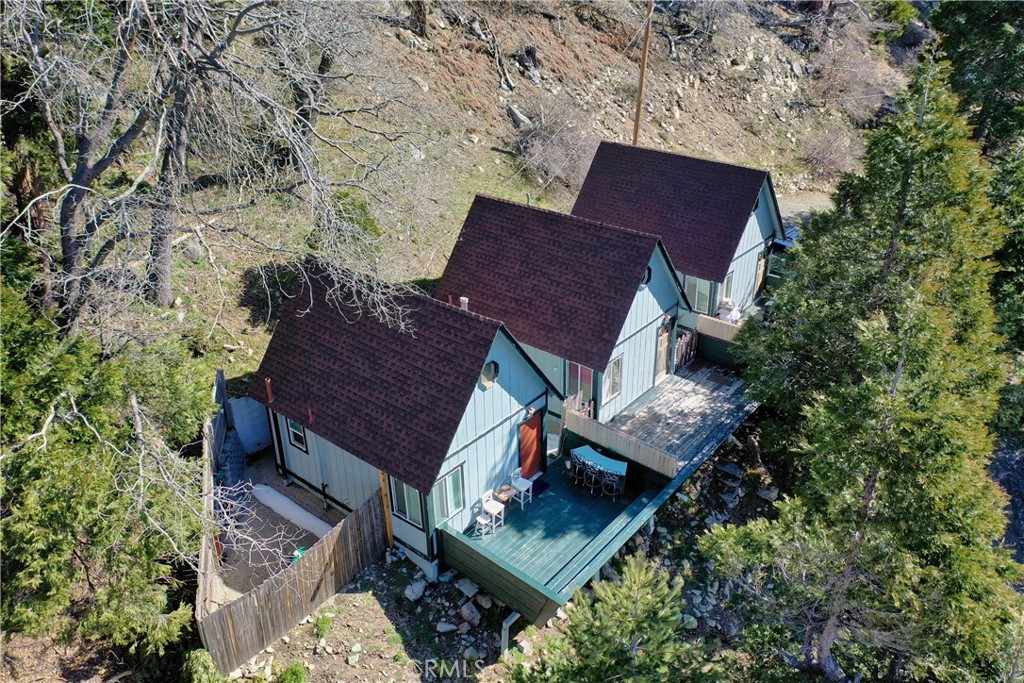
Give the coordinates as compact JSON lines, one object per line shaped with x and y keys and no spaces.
{"x":556,"y":145}
{"x":198,"y":667}
{"x":293,"y":673}
{"x":322,"y":626}
{"x":832,"y":152}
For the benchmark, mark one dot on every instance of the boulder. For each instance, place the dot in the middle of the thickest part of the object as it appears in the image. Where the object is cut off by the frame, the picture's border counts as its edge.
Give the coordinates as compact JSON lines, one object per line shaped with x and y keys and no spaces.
{"x":608,"y":573}
{"x":730,"y":468}
{"x":519,"y":119}
{"x":484,"y":600}
{"x":470,"y":613}
{"x":448,"y":576}
{"x":769,"y":493}
{"x":689,"y":622}
{"x":414,"y":591}
{"x":468,"y":588}
{"x":471,"y":653}
{"x":445,"y":627}
{"x":464,"y":628}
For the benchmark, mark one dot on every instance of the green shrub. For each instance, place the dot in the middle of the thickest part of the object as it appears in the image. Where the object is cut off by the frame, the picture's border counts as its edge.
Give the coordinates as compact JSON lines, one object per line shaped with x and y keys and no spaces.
{"x":294,"y":673}
{"x":322,"y":626}
{"x":198,"y":667}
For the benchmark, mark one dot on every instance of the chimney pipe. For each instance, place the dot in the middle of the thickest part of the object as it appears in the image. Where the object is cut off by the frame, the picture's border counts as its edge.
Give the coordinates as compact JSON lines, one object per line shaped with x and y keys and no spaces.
{"x":464,"y":303}
{"x":270,"y":391}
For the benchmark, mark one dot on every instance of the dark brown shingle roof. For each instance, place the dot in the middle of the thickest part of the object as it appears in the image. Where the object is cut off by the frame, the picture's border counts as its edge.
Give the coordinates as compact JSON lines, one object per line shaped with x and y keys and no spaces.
{"x":394,"y":399}
{"x":699,"y":208}
{"x":559,"y":283}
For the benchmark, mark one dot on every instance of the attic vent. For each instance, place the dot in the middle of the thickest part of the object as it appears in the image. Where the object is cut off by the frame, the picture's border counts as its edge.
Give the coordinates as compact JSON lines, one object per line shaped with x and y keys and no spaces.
{"x":646,"y":278}
{"x":464,"y":303}
{"x":490,"y":374}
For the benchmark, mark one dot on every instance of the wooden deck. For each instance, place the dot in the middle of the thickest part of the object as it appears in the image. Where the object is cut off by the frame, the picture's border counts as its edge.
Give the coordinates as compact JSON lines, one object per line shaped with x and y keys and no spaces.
{"x":561,"y":539}
{"x":689,"y":414}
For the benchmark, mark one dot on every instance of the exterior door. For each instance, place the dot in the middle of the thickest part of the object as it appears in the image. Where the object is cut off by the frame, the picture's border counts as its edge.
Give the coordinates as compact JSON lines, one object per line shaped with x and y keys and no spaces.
{"x":530,"y":447}
{"x":661,"y":363}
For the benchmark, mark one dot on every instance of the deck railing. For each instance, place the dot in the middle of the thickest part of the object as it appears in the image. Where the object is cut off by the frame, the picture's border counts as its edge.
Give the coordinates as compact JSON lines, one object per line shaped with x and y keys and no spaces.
{"x":621,"y":443}
{"x":719,"y":329}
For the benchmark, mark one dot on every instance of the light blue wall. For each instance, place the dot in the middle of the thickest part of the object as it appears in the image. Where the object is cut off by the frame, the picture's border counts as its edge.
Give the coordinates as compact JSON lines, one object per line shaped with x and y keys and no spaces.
{"x":349,"y":480}
{"x":761,"y":226}
{"x":638,"y":339}
{"x":486,"y":445}
{"x":551,"y":365}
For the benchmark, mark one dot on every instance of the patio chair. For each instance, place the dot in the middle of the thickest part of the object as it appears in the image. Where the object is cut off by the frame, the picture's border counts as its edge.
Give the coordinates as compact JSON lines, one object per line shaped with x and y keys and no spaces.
{"x":612,"y":484}
{"x":523,"y":487}
{"x":577,"y":469}
{"x":593,"y":476}
{"x":494,"y":508}
{"x":484,"y":525}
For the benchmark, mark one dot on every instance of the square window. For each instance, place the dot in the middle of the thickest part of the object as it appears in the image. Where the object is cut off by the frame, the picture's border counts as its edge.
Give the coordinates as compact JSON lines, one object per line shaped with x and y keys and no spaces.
{"x":727,"y":287}
{"x":698,"y":293}
{"x":405,"y":503}
{"x":448,"y":495}
{"x":613,"y":378}
{"x":297,"y":434}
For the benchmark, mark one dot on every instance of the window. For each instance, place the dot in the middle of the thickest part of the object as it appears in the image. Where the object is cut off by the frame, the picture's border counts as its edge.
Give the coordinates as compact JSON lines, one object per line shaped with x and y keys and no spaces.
{"x":646,"y":279}
{"x":405,"y":503}
{"x":613,"y":378}
{"x":698,"y":293}
{"x":296,"y":434}
{"x":490,"y":374}
{"x":727,"y":287}
{"x":447,"y":495}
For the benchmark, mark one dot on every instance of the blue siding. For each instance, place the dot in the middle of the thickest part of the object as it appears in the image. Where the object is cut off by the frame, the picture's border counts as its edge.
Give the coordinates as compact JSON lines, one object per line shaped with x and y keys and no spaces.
{"x":486,"y":445}
{"x":551,"y":365}
{"x":761,"y":227}
{"x":638,"y":338}
{"x":349,"y":480}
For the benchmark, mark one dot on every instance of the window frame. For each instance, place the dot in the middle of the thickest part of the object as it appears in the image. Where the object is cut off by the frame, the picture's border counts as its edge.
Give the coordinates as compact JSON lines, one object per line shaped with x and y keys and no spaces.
{"x":290,"y":425}
{"x":440,"y":489}
{"x":727,"y":285}
{"x":606,"y":382}
{"x":394,"y":486}
{"x":694,"y":300}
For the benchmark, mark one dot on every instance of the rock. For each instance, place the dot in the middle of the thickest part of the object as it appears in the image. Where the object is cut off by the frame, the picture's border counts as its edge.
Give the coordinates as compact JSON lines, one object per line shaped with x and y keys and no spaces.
{"x":769,"y":493}
{"x":414,"y":591}
{"x":484,"y":600}
{"x":322,"y":643}
{"x":471,"y":653}
{"x":662,"y":531}
{"x":475,"y":139}
{"x":730,"y":468}
{"x":519,"y":119}
{"x":499,"y":603}
{"x":689,"y":622}
{"x":445,"y":627}
{"x":420,"y":82}
{"x":526,"y":647}
{"x":560,"y":614}
{"x":269,"y":650}
{"x":356,"y":649}
{"x":916,"y":34}
{"x":464,"y":628}
{"x":470,"y":613}
{"x":468,"y":588}
{"x":608,"y":573}
{"x":352,"y":659}
{"x":448,"y":576}
{"x":730,"y":499}
{"x":235,"y":675}
{"x":682,"y":497}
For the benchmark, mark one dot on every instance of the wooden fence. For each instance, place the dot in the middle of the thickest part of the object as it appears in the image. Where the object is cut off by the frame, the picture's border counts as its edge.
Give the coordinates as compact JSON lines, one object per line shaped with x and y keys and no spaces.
{"x":625,"y":445}
{"x":241,"y":629}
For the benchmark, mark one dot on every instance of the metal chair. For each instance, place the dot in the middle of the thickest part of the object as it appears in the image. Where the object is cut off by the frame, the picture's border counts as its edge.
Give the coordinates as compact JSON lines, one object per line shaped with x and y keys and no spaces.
{"x":612,"y":484}
{"x":523,"y":487}
{"x":577,"y":469}
{"x":593,"y":476}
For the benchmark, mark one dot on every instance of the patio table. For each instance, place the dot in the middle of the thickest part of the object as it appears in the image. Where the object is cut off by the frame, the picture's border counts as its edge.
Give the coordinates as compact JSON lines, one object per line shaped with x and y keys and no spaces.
{"x":588,"y":454}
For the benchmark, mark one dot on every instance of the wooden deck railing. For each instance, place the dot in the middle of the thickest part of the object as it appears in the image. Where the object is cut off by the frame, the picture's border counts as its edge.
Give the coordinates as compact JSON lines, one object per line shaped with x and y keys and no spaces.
{"x":719,"y":329}
{"x":625,"y":445}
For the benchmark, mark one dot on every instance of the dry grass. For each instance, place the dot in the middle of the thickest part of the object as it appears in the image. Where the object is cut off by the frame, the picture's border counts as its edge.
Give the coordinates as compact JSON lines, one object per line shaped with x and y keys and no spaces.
{"x":833,"y":151}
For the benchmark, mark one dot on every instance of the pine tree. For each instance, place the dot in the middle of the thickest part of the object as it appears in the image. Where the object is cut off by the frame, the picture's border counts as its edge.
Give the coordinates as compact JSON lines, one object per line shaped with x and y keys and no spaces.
{"x":883,"y":360}
{"x":632,"y":631}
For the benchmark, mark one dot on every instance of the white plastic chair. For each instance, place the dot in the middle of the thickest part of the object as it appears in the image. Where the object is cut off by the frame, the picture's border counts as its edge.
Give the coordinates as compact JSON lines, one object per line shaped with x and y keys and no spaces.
{"x":484,"y":525}
{"x":523,"y":487}
{"x":494,"y":507}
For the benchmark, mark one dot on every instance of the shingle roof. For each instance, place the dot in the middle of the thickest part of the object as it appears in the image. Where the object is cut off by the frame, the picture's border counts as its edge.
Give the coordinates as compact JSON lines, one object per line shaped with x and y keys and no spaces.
{"x":699,"y":208}
{"x":392,"y":398}
{"x":559,"y":283}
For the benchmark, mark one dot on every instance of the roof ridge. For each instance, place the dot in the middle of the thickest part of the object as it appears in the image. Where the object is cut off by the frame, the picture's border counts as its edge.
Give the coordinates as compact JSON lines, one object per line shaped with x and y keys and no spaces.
{"x":459,"y":309}
{"x":581,"y":219}
{"x":684,"y":156}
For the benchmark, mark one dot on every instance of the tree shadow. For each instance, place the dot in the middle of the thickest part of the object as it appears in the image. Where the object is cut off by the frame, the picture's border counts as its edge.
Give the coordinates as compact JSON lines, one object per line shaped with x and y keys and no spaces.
{"x":265,"y":287}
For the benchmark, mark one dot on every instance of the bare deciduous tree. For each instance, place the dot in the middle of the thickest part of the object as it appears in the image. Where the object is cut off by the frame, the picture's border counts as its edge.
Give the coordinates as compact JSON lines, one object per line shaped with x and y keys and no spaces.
{"x":172,"y":117}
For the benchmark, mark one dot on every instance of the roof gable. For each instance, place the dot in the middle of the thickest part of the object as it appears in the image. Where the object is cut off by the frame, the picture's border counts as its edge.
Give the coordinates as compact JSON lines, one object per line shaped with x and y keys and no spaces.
{"x":559,"y":283}
{"x":698,"y":207}
{"x":392,"y":398}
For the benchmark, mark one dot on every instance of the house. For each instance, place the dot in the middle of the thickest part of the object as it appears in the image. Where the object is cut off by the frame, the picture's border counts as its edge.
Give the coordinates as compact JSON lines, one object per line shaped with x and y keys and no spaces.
{"x":719,"y":222}
{"x":598,"y":308}
{"x":431,"y":417}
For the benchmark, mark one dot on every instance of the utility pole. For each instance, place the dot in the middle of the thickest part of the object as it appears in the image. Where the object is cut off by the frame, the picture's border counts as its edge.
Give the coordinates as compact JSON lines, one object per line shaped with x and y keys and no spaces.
{"x":643,"y":71}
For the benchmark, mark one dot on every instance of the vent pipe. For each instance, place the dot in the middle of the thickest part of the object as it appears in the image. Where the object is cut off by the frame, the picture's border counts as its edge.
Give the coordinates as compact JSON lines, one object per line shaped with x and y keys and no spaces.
{"x":270,"y":391}
{"x":464,"y":303}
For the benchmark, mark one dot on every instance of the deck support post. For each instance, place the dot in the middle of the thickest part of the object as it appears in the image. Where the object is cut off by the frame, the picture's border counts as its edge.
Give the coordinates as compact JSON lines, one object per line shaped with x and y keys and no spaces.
{"x":505,"y":625}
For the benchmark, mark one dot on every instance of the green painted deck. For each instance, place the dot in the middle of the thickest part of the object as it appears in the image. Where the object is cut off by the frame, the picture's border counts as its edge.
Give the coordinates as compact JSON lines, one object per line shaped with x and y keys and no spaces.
{"x":562,"y":538}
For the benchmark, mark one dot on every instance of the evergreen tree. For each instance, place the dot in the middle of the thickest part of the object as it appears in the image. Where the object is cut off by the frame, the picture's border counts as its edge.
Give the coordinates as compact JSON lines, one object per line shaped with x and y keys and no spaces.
{"x":882,"y":358}
{"x":985,"y":43}
{"x":632,"y":631}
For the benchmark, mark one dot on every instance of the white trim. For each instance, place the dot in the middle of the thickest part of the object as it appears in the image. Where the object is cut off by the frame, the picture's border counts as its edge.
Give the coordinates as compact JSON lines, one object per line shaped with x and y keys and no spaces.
{"x":304,"y":446}
{"x":605,"y":396}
